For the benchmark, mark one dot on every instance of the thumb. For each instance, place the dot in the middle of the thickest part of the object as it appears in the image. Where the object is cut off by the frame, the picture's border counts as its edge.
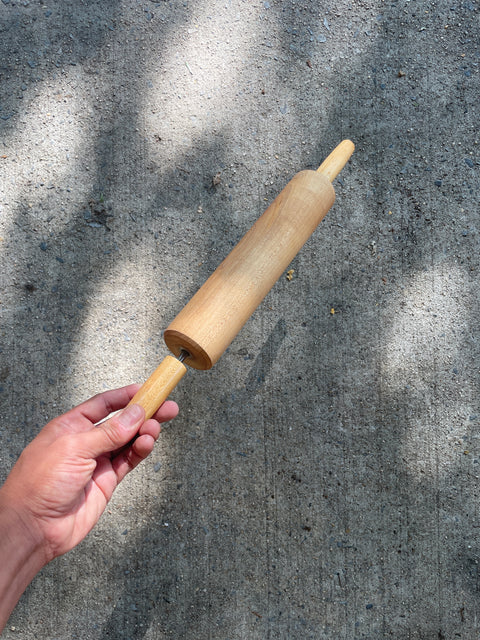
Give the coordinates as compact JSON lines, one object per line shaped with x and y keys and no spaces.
{"x":113,"y":433}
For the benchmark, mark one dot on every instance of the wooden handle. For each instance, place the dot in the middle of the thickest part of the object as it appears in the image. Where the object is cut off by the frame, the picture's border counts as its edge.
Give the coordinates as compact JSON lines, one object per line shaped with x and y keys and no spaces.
{"x":334,"y":163}
{"x":153,"y":393}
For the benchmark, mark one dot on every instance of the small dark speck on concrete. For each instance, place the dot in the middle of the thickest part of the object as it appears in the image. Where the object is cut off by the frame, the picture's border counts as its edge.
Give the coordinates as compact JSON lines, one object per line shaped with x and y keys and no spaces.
{"x":157,"y":467}
{"x":43,"y":246}
{"x":369,"y":606}
{"x":124,"y":533}
{"x":438,"y":183}
{"x":469,"y":163}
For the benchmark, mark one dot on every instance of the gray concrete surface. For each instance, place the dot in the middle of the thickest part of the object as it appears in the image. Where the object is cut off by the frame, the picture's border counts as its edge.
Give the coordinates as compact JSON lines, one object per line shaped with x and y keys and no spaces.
{"x":322,"y":481}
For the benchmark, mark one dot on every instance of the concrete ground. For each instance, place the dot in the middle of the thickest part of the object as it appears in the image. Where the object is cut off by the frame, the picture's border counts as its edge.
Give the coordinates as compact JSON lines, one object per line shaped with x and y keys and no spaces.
{"x":322,"y":480}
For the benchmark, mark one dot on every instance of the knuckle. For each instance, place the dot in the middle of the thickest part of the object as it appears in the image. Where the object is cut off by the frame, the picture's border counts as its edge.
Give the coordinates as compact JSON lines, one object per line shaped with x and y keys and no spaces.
{"x":111,"y":433}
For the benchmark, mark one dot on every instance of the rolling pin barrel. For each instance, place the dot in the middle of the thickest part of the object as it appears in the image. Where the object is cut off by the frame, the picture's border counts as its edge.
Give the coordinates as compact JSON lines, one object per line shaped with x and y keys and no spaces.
{"x":216,"y":313}
{"x":205,"y":327}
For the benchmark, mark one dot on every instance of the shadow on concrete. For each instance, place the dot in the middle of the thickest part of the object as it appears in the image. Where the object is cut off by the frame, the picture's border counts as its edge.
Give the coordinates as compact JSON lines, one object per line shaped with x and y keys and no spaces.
{"x":401,"y":161}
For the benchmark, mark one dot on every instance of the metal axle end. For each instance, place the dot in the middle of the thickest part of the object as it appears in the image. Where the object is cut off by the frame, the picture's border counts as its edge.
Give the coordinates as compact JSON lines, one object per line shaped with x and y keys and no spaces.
{"x":183,"y":355}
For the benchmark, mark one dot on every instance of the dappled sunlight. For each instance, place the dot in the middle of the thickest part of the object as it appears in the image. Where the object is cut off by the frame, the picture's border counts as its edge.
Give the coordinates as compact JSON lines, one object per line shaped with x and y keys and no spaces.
{"x":312,"y":478}
{"x":422,"y":345}
{"x":217,"y":67}
{"x":112,"y":317}
{"x":43,"y":151}
{"x":205,"y":76}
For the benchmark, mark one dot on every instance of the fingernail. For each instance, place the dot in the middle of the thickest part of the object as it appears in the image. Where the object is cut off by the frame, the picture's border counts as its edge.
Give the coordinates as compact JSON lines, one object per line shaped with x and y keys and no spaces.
{"x":131,"y":415}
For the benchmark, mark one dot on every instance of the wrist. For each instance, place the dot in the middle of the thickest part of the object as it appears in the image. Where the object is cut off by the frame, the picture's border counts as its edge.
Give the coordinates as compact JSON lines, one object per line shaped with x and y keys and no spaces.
{"x":18,"y":529}
{"x":22,"y":555}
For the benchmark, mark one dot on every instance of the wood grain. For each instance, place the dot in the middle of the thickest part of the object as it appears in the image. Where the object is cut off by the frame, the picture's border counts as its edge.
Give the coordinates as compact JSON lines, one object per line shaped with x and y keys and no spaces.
{"x":213,"y":317}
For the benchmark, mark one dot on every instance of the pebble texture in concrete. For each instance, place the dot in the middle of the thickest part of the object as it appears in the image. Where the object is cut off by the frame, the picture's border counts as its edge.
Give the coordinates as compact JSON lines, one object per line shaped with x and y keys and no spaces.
{"x":322,"y":481}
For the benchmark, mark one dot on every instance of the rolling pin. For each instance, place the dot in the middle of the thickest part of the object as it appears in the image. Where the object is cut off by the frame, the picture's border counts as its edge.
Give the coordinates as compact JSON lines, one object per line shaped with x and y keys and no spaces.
{"x":209,"y":322}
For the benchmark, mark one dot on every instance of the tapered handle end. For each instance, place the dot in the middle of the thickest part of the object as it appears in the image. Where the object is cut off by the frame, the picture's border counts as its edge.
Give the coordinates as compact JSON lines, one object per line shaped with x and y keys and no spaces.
{"x":334,"y":163}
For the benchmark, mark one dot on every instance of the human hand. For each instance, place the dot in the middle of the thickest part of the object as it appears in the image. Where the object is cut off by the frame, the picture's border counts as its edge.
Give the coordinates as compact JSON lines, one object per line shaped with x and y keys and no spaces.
{"x":65,"y":477}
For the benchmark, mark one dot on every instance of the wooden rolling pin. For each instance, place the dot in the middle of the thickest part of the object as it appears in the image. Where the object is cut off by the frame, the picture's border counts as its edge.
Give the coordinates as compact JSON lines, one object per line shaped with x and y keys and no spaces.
{"x":209,"y":322}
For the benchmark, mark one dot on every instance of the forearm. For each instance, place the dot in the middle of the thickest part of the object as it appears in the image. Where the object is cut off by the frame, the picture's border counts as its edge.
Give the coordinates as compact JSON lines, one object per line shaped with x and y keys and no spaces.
{"x":21,"y":558}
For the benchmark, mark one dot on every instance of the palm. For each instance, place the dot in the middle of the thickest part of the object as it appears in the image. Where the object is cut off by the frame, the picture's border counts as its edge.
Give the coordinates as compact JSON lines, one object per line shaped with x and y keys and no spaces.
{"x":72,"y":503}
